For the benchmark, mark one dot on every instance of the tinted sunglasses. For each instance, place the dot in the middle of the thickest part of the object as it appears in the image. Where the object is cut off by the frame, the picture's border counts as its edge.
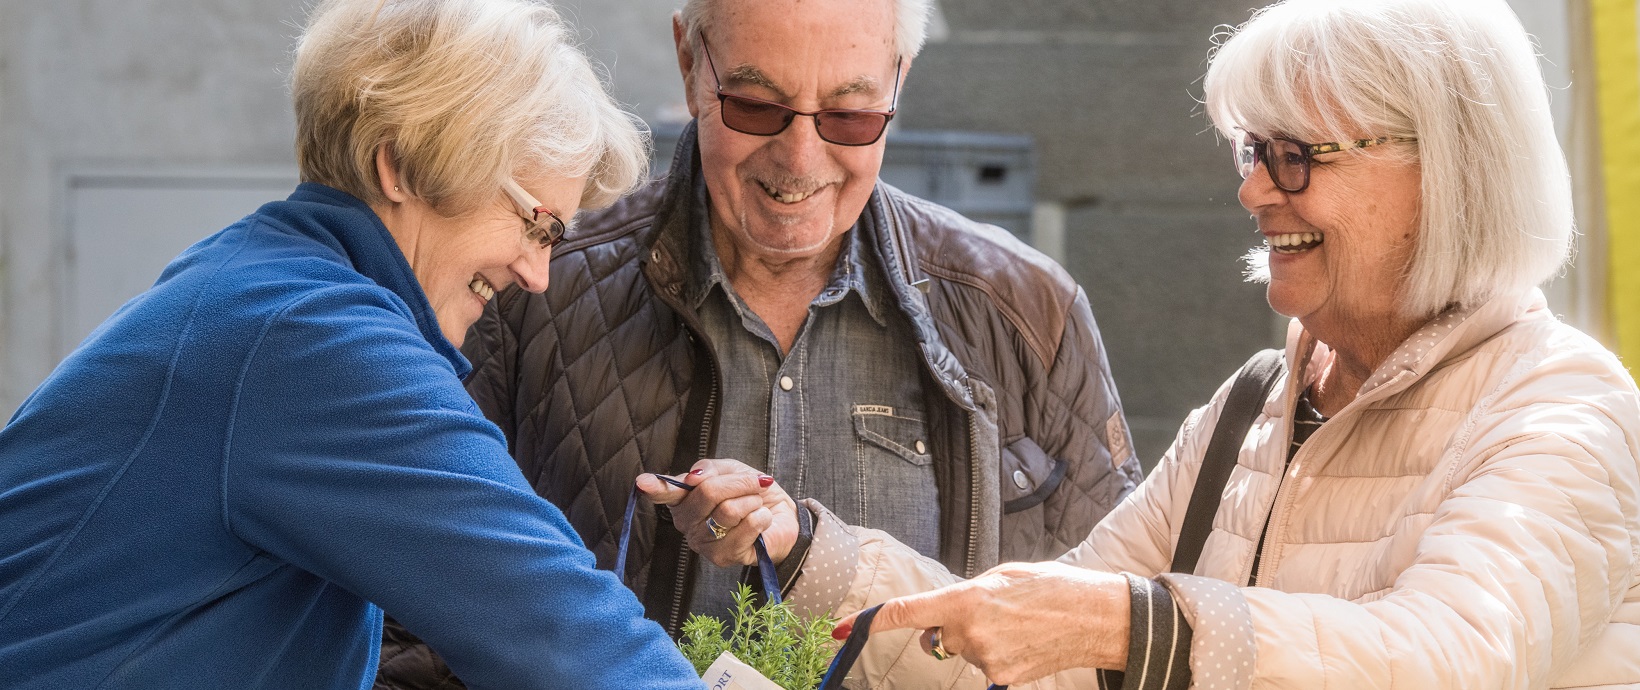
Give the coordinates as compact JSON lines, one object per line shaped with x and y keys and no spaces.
{"x":839,"y":126}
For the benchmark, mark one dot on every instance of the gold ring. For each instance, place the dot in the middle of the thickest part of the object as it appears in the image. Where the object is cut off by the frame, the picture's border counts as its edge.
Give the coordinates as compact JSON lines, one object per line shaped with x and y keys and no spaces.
{"x":935,"y":648}
{"x":717,"y":530}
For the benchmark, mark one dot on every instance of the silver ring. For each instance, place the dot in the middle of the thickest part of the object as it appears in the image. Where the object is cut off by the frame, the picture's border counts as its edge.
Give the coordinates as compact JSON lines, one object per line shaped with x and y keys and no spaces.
{"x":935,"y":648}
{"x":717,"y":530}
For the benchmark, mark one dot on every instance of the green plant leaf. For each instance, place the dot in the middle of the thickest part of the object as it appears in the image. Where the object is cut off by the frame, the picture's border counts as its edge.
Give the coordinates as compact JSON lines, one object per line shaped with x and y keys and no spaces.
{"x":790,"y":651}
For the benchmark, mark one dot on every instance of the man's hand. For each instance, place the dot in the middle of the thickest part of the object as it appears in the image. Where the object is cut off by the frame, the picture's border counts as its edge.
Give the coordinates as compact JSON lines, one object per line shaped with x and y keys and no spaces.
{"x":1019,"y":622}
{"x":737,"y":498}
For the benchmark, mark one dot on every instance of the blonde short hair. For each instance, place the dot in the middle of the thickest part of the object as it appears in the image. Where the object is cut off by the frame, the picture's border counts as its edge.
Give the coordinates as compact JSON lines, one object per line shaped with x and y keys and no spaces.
{"x":910,"y":23}
{"x":464,"y":93}
{"x":1462,"y":77}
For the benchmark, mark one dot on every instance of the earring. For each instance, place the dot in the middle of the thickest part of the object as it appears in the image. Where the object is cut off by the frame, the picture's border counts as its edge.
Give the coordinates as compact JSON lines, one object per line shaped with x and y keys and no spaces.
{"x":395,"y":188}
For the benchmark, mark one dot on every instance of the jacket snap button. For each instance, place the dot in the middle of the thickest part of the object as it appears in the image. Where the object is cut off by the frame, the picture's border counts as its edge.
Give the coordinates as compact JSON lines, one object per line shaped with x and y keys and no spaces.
{"x":786,"y":383}
{"x":921,"y":447}
{"x":1020,"y":480}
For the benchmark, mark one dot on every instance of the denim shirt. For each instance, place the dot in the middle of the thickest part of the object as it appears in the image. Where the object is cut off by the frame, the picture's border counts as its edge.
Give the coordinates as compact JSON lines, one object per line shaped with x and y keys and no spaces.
{"x":841,"y":418}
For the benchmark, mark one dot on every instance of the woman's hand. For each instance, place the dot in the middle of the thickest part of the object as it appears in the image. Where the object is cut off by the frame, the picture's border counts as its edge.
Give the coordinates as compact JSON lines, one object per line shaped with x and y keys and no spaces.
{"x":737,"y":498}
{"x":1019,"y":622}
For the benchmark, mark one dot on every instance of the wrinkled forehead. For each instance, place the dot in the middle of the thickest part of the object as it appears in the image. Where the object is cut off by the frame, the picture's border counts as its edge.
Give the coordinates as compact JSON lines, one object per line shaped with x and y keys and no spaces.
{"x":861,"y":21}
{"x":804,"y":68}
{"x":838,"y":42}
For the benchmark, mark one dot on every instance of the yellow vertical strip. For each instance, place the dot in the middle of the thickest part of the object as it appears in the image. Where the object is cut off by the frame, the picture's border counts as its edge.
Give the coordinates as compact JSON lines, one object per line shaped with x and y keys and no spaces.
{"x":1617,"y":60}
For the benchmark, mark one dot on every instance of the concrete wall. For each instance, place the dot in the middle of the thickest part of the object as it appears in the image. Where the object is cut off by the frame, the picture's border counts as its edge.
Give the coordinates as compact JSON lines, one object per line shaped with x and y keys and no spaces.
{"x":633,"y":39}
{"x":1147,"y":195}
{"x":1135,"y":195}
{"x":132,"y":84}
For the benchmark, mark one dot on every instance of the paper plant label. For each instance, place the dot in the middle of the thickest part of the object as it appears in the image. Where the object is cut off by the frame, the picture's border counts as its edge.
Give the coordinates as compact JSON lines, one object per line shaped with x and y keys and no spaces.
{"x":728,"y":673}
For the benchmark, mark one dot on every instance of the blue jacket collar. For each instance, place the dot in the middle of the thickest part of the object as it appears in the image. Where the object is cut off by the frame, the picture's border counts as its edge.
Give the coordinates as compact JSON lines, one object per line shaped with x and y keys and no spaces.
{"x":365,"y":242}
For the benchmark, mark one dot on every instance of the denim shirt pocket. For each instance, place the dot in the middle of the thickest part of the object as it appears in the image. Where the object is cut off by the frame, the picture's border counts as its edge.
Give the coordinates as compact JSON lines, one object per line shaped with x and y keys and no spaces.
{"x":1029,"y":475}
{"x":901,"y":435}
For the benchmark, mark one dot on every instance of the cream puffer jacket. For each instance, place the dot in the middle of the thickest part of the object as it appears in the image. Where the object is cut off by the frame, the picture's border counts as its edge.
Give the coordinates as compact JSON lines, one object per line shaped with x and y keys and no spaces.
{"x":1471,"y":520}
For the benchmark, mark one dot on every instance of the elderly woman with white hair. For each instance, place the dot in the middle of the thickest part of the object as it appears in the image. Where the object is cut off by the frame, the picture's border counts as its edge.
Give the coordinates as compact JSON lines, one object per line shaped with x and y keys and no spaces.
{"x":1441,"y":489}
{"x":224,"y":482}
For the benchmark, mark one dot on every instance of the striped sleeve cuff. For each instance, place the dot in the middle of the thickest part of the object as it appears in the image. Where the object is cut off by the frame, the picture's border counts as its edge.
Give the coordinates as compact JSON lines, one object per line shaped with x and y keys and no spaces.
{"x":1158,"y":641}
{"x":1223,"y":646}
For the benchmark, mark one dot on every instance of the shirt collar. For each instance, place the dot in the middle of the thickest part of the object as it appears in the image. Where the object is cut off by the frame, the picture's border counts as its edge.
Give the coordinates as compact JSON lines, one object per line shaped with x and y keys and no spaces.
{"x":854,"y":272}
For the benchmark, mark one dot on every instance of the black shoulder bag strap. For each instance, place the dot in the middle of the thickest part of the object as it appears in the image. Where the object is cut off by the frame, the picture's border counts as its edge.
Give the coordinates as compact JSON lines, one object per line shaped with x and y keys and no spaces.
{"x":1246,"y":398}
{"x":1241,"y":407}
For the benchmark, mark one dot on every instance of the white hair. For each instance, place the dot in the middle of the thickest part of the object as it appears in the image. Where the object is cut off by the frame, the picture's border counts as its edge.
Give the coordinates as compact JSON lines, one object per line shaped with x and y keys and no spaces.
{"x":1460,"y":76}
{"x":910,"y":23}
{"x":465,"y":93}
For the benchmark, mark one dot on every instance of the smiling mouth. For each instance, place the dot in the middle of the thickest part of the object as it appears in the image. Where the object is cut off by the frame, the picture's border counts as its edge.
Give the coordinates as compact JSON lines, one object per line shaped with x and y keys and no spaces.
{"x":1294,"y":243}
{"x":482,"y":288}
{"x":785,"y":197}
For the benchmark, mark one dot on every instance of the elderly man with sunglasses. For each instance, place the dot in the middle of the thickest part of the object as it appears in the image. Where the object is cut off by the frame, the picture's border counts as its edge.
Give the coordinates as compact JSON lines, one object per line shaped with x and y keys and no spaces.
{"x":772,"y":321}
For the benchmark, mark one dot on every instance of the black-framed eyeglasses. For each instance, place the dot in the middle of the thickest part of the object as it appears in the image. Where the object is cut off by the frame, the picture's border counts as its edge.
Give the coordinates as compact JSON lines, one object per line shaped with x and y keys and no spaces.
{"x":840,"y":126}
{"x":545,"y":232}
{"x":1288,"y":160}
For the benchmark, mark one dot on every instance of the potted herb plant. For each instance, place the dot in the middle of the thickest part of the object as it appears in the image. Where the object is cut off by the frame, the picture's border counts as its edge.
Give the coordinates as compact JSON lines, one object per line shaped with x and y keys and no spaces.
{"x":785,"y":651}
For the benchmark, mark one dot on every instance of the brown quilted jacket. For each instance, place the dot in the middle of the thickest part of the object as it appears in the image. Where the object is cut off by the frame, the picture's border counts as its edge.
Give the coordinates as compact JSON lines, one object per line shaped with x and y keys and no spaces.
{"x":605,"y":376}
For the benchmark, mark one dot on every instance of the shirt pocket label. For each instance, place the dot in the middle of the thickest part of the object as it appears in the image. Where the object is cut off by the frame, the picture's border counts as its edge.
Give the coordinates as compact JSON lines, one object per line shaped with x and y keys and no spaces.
{"x":902,"y":435}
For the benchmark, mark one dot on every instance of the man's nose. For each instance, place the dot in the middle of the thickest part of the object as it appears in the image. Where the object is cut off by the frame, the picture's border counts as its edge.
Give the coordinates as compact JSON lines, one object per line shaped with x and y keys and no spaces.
{"x":805,"y":148}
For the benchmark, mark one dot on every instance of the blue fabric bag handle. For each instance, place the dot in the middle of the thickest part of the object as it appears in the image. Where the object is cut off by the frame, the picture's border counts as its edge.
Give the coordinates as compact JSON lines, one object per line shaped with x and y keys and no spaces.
{"x":765,"y":564}
{"x":844,"y":661}
{"x":840,"y":664}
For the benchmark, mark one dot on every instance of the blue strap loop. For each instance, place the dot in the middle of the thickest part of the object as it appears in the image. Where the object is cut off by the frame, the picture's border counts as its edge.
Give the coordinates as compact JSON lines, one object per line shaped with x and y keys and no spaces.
{"x":856,"y":642}
{"x":765,"y":565}
{"x":840,"y":664}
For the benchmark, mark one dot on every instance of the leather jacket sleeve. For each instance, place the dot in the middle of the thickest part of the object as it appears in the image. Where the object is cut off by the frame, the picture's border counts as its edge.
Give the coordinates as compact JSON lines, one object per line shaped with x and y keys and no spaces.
{"x":1077,"y":423}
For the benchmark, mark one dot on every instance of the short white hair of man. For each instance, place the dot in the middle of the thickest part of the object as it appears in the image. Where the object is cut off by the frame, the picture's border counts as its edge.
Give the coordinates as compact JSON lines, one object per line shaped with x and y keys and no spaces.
{"x":1460,"y":76}
{"x":910,"y":23}
{"x":465,"y":93}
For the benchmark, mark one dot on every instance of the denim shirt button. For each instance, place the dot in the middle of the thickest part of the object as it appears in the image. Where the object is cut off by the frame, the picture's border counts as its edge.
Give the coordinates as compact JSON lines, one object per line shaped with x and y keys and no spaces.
{"x":1020,"y":480}
{"x":921,"y":447}
{"x":786,"y":383}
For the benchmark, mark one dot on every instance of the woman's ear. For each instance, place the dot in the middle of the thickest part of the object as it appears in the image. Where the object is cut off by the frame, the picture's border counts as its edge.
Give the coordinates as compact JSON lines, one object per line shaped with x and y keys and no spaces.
{"x":388,"y":173}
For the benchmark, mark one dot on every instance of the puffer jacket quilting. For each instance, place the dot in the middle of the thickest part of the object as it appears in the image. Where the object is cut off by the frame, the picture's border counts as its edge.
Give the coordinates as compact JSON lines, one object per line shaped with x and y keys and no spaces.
{"x":1471,"y":520}
{"x":604,"y":376}
{"x":613,"y":363}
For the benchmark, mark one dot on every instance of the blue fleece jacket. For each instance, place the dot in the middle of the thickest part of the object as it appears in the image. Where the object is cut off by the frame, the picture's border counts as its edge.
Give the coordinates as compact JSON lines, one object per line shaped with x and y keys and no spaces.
{"x":212,"y":489}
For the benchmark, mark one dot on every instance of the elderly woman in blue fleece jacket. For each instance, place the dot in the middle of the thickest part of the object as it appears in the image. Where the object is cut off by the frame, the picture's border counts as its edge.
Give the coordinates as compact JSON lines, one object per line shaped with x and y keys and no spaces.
{"x":224,"y":482}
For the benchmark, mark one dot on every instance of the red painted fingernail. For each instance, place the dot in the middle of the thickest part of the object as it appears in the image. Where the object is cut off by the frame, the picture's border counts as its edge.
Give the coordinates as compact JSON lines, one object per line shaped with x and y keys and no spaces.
{"x":841,"y":632}
{"x":765,"y":481}
{"x":697,"y":472}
